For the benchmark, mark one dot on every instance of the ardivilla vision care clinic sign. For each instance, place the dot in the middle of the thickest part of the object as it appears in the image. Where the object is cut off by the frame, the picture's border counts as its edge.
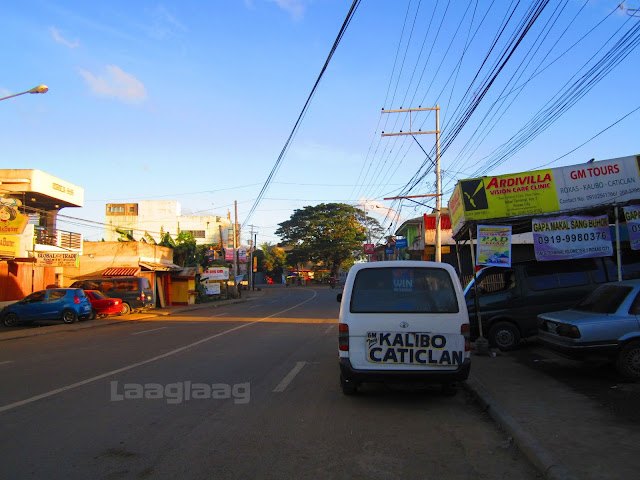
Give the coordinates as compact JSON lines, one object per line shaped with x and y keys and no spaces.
{"x":566,"y":237}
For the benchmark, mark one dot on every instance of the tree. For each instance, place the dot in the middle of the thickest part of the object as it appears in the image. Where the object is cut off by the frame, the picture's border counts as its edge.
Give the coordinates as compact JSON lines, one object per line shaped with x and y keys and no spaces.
{"x":275,"y":260}
{"x":329,"y":234}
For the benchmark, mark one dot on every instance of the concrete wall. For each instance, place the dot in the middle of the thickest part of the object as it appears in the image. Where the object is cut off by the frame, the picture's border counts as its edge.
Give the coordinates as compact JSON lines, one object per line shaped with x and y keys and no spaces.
{"x":98,"y":256}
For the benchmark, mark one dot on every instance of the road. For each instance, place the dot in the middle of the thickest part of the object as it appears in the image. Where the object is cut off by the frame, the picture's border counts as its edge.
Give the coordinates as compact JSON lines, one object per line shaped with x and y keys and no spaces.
{"x":242,"y":391}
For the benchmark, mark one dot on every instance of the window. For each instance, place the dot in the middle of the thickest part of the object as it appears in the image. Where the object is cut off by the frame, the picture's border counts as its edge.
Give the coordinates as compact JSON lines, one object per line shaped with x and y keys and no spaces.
{"x":56,"y":294}
{"x":196,"y":233}
{"x":107,"y":286}
{"x":558,"y":274}
{"x":126,"y":286}
{"x":403,"y":290}
{"x":604,"y":299}
{"x":35,"y":297}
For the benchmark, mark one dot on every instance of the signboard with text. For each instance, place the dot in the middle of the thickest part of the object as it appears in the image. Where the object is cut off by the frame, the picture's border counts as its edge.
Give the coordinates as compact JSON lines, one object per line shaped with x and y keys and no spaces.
{"x":494,"y":245}
{"x":567,"y":237}
{"x":545,"y":191}
{"x":632,"y":216}
{"x":9,"y":245}
{"x":55,"y":259}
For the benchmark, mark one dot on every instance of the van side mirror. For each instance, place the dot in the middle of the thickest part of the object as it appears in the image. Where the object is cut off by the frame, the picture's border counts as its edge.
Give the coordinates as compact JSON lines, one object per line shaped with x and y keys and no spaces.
{"x":339,"y":297}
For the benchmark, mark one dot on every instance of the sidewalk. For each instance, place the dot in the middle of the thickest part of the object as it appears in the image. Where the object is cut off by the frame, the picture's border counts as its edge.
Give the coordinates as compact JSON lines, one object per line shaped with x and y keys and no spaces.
{"x":12,"y":334}
{"x":565,"y":435}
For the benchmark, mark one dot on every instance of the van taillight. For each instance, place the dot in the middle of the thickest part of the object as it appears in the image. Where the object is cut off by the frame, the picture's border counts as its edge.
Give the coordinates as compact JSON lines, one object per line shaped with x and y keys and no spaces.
{"x":465,"y":330}
{"x":343,"y":337}
{"x":143,"y":296}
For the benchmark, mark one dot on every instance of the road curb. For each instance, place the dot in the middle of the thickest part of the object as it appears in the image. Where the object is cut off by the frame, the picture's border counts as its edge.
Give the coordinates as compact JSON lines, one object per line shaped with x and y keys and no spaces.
{"x":539,"y":456}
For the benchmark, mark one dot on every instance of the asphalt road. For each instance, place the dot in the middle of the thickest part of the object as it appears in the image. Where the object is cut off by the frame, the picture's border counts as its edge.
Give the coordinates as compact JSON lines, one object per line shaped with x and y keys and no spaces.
{"x":241,"y":391}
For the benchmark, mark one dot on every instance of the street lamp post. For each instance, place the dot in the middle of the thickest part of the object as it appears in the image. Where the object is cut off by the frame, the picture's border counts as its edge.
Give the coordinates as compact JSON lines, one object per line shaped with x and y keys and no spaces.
{"x":38,"y":89}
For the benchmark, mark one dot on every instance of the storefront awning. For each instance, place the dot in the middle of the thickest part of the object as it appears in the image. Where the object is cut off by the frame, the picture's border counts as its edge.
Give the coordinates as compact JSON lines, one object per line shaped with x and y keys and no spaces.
{"x":160,"y":267}
{"x":121,"y":272}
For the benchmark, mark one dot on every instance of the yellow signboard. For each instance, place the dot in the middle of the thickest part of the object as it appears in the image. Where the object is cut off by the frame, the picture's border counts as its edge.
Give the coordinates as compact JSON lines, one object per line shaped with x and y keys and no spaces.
{"x":9,"y":245}
{"x":12,"y":222}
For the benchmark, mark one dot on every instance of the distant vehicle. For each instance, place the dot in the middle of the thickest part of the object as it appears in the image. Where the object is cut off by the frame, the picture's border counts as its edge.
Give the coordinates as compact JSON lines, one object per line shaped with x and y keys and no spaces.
{"x":604,"y":323}
{"x":136,"y":292}
{"x":403,"y":321}
{"x":103,"y":305}
{"x":66,"y":304}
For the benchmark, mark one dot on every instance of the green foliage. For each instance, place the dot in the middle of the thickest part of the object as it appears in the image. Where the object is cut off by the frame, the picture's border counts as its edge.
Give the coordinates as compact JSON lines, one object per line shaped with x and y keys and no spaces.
{"x":328,"y":234}
{"x":275,"y":260}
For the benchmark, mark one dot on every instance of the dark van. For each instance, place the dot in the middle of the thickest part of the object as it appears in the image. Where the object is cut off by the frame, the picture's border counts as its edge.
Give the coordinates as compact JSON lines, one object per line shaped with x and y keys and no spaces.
{"x":510,"y":299}
{"x":136,"y":292}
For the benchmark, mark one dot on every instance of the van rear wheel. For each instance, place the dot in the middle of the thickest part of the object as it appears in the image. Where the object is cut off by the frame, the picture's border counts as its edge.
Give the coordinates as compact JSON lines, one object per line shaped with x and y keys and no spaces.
{"x":504,"y":335}
{"x":348,"y":387}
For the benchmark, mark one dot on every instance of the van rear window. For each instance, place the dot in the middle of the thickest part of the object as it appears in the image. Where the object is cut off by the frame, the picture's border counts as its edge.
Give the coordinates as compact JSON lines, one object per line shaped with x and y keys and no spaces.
{"x":403,"y":290}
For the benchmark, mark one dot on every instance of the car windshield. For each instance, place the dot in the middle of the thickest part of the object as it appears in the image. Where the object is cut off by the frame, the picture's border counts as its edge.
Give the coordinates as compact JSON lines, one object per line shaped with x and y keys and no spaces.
{"x":604,"y":299}
{"x":403,"y":290}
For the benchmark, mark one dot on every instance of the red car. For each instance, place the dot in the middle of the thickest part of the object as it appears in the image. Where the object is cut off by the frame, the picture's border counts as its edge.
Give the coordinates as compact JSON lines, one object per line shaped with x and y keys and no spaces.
{"x":101,"y":305}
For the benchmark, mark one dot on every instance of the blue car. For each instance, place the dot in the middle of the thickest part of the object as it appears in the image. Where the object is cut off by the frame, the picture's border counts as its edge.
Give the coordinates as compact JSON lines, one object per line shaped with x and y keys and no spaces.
{"x":66,"y":304}
{"x":605,"y":323}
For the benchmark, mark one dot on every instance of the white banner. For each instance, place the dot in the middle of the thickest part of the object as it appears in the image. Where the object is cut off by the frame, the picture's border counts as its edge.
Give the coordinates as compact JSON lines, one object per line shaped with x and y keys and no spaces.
{"x":632,"y":215}
{"x":212,"y":288}
{"x":215,"y":273}
{"x":567,"y":237}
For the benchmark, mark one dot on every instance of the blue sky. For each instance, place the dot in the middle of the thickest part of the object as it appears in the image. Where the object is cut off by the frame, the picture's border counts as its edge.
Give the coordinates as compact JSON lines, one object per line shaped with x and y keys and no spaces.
{"x":194,"y":101}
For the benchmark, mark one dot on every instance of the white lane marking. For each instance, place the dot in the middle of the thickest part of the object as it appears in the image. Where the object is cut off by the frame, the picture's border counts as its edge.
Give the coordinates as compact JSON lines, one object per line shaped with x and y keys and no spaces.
{"x":290,"y":376}
{"x":6,"y":361}
{"x":147,"y":331}
{"x":255,"y":306}
{"x":219,"y":315}
{"x":328,"y":330}
{"x":139,"y":364}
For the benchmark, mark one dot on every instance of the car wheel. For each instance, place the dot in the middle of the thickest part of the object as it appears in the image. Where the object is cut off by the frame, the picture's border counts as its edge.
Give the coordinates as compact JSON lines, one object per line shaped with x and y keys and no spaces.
{"x":69,"y":316}
{"x":348,"y":387}
{"x":628,"y":361}
{"x":126,"y":309}
{"x":10,"y":319}
{"x":504,"y":335}
{"x":93,"y":315}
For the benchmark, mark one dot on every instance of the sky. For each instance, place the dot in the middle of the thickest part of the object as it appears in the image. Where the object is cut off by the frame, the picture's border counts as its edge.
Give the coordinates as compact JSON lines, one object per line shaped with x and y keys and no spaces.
{"x":195,"y":101}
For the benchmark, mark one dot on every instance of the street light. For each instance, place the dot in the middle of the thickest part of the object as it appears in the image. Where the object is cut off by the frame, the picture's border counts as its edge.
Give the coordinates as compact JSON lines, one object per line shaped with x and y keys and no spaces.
{"x":38,"y":89}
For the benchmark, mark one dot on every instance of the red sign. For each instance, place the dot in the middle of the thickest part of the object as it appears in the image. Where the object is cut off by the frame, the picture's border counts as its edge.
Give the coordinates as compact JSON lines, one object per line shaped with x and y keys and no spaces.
{"x":369,"y":248}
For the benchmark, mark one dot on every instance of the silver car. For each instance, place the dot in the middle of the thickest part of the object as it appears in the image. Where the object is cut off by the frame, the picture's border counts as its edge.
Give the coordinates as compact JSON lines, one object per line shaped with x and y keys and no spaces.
{"x":605,"y":322}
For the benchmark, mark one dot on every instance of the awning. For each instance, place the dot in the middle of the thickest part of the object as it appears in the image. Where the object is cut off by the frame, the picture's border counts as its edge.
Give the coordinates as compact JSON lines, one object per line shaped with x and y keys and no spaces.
{"x":121,"y":272}
{"x":160,"y":267}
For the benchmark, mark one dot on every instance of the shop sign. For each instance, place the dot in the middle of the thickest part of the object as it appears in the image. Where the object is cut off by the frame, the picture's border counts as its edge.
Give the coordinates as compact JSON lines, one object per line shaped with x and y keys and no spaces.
{"x":401,"y":243}
{"x":546,"y":191}
{"x":9,"y":245}
{"x":632,"y":216}
{"x":369,"y":248}
{"x":55,"y":259}
{"x":215,"y":273}
{"x":494,"y":245}
{"x":12,"y":222}
{"x":567,"y":237}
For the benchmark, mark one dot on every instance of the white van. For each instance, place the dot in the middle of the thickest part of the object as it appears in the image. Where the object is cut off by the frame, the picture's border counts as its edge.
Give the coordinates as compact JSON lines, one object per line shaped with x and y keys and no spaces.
{"x":403,"y":321}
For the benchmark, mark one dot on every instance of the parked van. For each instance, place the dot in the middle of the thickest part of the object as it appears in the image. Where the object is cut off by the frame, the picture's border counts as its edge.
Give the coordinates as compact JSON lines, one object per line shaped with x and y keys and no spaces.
{"x":510,"y":299}
{"x":136,"y":292}
{"x":403,"y":321}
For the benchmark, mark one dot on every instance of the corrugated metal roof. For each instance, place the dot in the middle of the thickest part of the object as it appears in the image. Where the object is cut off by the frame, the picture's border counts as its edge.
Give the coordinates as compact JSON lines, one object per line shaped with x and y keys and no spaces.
{"x":162,"y":267}
{"x":121,"y":272}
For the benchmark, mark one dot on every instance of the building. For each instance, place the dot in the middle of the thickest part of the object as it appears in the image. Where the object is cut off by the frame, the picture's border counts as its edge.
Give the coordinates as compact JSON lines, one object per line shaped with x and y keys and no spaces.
{"x":33,"y":252}
{"x":148,"y":218}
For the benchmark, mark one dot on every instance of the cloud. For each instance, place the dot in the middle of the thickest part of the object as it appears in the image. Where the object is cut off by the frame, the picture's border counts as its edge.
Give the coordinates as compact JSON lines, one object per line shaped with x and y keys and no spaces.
{"x":165,"y":24}
{"x":55,"y":33}
{"x":294,"y":7}
{"x":116,"y":83}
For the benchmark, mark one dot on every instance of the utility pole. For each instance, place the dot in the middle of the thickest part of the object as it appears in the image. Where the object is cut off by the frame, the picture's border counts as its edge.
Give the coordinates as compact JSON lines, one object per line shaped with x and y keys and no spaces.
{"x":438,"y":195}
{"x":250,"y":266}
{"x":235,"y":242}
